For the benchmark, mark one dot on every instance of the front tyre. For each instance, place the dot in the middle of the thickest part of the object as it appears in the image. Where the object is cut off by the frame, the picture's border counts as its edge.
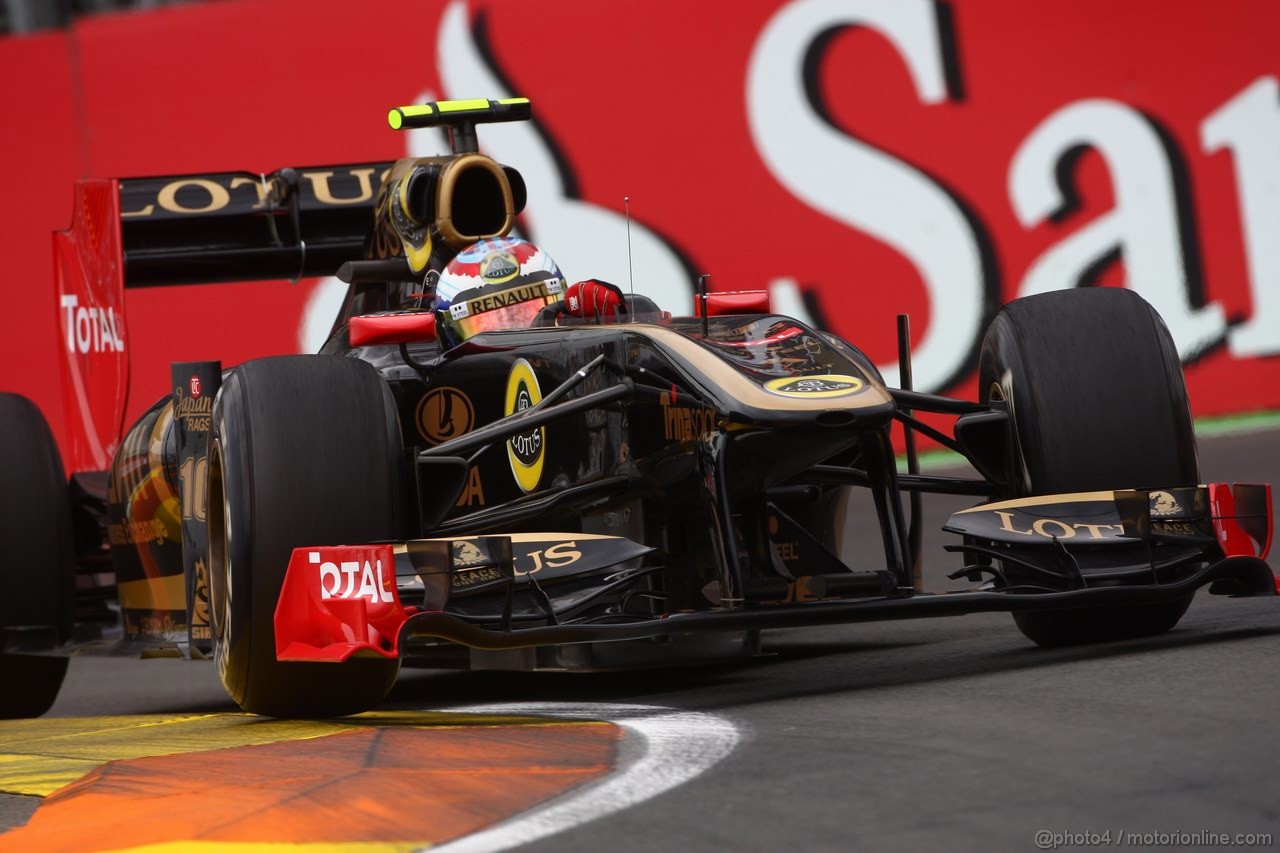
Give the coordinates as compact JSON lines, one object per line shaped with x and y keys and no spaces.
{"x":305,"y":450}
{"x":1097,"y":401}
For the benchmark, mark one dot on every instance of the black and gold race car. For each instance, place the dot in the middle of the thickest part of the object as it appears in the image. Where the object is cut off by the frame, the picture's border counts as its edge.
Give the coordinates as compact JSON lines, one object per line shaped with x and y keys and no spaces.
{"x":583,"y":491}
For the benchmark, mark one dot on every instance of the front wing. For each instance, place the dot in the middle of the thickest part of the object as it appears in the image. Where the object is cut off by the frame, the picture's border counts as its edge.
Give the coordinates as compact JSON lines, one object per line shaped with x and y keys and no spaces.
{"x":344,"y":601}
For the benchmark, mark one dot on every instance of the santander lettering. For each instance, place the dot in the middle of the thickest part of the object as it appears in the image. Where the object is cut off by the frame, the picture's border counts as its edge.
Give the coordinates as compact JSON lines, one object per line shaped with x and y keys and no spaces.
{"x":914,"y":213}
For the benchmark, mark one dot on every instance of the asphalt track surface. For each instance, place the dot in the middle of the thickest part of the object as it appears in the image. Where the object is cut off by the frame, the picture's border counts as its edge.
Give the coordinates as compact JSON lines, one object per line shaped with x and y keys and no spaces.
{"x":953,"y":734}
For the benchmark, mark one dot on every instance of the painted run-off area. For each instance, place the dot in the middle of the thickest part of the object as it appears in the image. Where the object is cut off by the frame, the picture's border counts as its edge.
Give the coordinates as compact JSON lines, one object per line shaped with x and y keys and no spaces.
{"x":384,"y":781}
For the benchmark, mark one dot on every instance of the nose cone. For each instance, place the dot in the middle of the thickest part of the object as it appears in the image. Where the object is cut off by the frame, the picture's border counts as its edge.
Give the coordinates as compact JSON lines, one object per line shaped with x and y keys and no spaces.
{"x":823,"y":401}
{"x":773,"y":372}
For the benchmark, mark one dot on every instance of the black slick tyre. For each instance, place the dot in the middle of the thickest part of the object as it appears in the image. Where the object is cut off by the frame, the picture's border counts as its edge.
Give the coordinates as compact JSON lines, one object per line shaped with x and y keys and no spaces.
{"x":305,"y":450}
{"x":37,"y":570}
{"x":1097,"y":401}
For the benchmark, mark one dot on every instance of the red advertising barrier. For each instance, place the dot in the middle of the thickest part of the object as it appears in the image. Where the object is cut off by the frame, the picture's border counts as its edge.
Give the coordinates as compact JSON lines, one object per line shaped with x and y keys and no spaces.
{"x":858,"y":159}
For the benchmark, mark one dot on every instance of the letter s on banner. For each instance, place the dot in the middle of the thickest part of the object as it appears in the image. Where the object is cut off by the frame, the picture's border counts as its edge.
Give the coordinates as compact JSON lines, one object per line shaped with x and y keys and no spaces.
{"x":862,"y":186}
{"x":582,"y":235}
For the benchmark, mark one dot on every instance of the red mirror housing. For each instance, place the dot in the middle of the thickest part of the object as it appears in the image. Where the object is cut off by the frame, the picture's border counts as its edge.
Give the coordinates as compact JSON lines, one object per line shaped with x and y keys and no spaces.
{"x":733,"y":302}
{"x":409,"y":328}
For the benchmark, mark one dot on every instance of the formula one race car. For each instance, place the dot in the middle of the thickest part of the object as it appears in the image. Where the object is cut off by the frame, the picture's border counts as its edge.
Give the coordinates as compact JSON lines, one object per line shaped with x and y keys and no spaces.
{"x":488,"y":466}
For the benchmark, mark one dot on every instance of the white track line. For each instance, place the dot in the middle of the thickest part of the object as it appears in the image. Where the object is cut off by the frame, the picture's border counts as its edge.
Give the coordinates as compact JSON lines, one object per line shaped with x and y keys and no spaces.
{"x":664,"y":748}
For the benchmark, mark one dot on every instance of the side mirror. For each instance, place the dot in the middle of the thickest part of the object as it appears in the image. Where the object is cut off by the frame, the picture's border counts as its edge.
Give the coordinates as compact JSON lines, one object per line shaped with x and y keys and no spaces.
{"x":404,"y":328}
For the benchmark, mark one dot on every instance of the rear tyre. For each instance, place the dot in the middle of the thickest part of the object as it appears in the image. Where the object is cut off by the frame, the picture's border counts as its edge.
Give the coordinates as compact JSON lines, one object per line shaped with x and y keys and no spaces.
{"x":37,"y":569}
{"x":305,"y":451}
{"x":1097,"y":401}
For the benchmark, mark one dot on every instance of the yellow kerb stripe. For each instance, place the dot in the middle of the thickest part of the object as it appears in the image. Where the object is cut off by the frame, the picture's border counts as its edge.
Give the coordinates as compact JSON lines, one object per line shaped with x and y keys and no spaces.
{"x":37,"y":757}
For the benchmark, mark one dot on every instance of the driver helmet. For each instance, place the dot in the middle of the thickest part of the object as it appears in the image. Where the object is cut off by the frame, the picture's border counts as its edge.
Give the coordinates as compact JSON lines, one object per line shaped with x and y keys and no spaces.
{"x":493,"y":285}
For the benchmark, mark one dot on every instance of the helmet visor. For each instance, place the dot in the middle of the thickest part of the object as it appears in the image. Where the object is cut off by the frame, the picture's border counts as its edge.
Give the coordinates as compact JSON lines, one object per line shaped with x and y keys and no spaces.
{"x":512,"y":308}
{"x":517,"y":316}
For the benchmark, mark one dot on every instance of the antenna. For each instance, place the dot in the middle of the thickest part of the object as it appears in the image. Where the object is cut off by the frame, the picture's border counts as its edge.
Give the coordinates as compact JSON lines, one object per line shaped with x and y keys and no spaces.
{"x":631,"y":276}
{"x":702,"y":303}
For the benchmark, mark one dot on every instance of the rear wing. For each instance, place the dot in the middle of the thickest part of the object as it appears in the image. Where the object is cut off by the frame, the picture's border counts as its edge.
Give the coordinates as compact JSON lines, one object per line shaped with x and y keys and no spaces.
{"x":241,"y":226}
{"x":238,"y":226}
{"x":186,"y":229}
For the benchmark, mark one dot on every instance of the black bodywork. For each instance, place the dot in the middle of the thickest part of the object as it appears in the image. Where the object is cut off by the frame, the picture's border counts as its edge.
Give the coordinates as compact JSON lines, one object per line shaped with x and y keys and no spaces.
{"x":736,"y":496}
{"x":717,"y":449}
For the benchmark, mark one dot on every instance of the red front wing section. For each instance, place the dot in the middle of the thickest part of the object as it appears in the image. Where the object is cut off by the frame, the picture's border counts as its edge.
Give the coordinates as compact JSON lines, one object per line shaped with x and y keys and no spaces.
{"x":341,"y":601}
{"x":1242,"y":519}
{"x":337,"y":602}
